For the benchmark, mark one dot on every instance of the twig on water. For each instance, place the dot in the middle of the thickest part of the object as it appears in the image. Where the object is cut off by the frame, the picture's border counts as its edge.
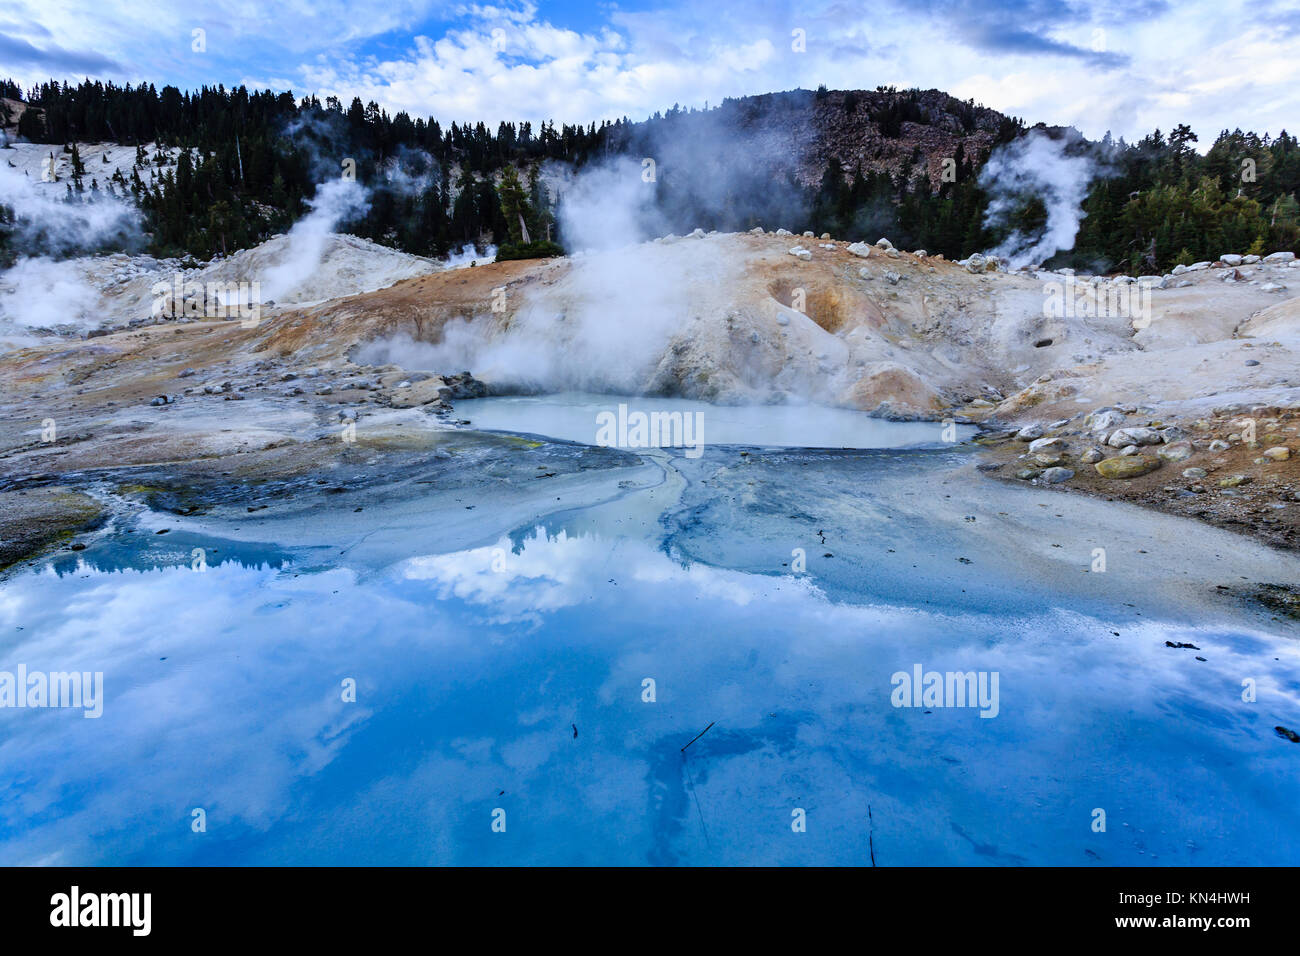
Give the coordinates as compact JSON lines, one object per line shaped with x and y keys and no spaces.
{"x":694,"y":790}
{"x":871,"y":835}
{"x":699,"y":735}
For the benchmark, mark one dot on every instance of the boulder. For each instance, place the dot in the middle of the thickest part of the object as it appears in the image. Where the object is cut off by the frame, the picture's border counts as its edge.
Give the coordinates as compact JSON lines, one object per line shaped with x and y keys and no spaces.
{"x":1104,"y":419}
{"x":1054,"y":476}
{"x":1139,"y":435}
{"x":1176,"y":451}
{"x":1278,"y":453}
{"x":1130,"y":467}
{"x":860,"y":249}
{"x":1030,"y":432}
{"x":1279,"y":257}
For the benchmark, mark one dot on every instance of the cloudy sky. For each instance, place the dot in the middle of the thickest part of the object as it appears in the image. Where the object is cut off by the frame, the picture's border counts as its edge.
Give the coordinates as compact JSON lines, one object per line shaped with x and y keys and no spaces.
{"x":1122,"y":65}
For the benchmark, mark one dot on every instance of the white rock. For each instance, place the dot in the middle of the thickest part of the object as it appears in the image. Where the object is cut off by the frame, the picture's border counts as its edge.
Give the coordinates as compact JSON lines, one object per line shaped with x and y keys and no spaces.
{"x":884,"y":243}
{"x":1104,"y":419}
{"x":799,"y":252}
{"x":1250,"y":260}
{"x":1138,"y":435}
{"x":1280,"y":257}
{"x":1230,"y":259}
{"x":860,"y":249}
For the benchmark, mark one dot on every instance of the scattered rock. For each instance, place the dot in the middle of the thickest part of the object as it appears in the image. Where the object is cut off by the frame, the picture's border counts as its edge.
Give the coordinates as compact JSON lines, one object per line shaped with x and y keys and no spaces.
{"x":1104,"y":419}
{"x":1128,"y":467}
{"x":1133,"y":436}
{"x":1054,"y":476}
{"x":1176,"y":451}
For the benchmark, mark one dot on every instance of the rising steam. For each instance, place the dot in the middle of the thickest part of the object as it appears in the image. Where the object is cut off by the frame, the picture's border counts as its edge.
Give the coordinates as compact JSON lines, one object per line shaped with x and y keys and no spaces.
{"x":1036,"y":165}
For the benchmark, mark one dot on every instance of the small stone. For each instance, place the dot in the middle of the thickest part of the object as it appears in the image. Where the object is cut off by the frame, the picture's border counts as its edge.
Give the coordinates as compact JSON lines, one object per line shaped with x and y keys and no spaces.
{"x":1232,"y":481}
{"x":1054,"y":476}
{"x":1278,"y":453}
{"x":1176,"y":451}
{"x":1194,"y":473}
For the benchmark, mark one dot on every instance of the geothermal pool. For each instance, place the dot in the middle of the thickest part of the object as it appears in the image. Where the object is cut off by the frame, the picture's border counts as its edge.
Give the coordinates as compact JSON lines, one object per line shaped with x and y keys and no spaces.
{"x":576,"y":416}
{"x":530,"y":658}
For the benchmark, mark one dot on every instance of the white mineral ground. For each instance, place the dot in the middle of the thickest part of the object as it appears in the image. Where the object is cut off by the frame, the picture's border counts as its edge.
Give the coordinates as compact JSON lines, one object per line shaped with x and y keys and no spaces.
{"x":707,"y":317}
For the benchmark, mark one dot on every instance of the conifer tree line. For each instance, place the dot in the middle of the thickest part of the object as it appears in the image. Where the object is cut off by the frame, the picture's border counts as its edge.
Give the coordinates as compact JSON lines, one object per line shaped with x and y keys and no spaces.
{"x":250,"y":161}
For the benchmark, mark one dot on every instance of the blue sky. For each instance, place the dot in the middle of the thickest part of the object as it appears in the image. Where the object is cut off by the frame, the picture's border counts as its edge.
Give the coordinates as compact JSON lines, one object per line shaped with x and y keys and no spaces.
{"x":1122,"y":65}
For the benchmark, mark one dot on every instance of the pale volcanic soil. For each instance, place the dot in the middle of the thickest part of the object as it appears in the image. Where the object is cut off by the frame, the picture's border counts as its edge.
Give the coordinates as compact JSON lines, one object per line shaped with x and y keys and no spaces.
{"x":727,"y":318}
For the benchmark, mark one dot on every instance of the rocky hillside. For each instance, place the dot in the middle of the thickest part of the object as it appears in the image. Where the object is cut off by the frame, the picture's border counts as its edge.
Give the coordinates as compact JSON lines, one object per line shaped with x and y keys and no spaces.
{"x":903,"y":133}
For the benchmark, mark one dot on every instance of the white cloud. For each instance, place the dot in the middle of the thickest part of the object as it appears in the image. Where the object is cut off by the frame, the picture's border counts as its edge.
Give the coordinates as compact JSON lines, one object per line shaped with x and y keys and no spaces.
{"x":1212,"y":65}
